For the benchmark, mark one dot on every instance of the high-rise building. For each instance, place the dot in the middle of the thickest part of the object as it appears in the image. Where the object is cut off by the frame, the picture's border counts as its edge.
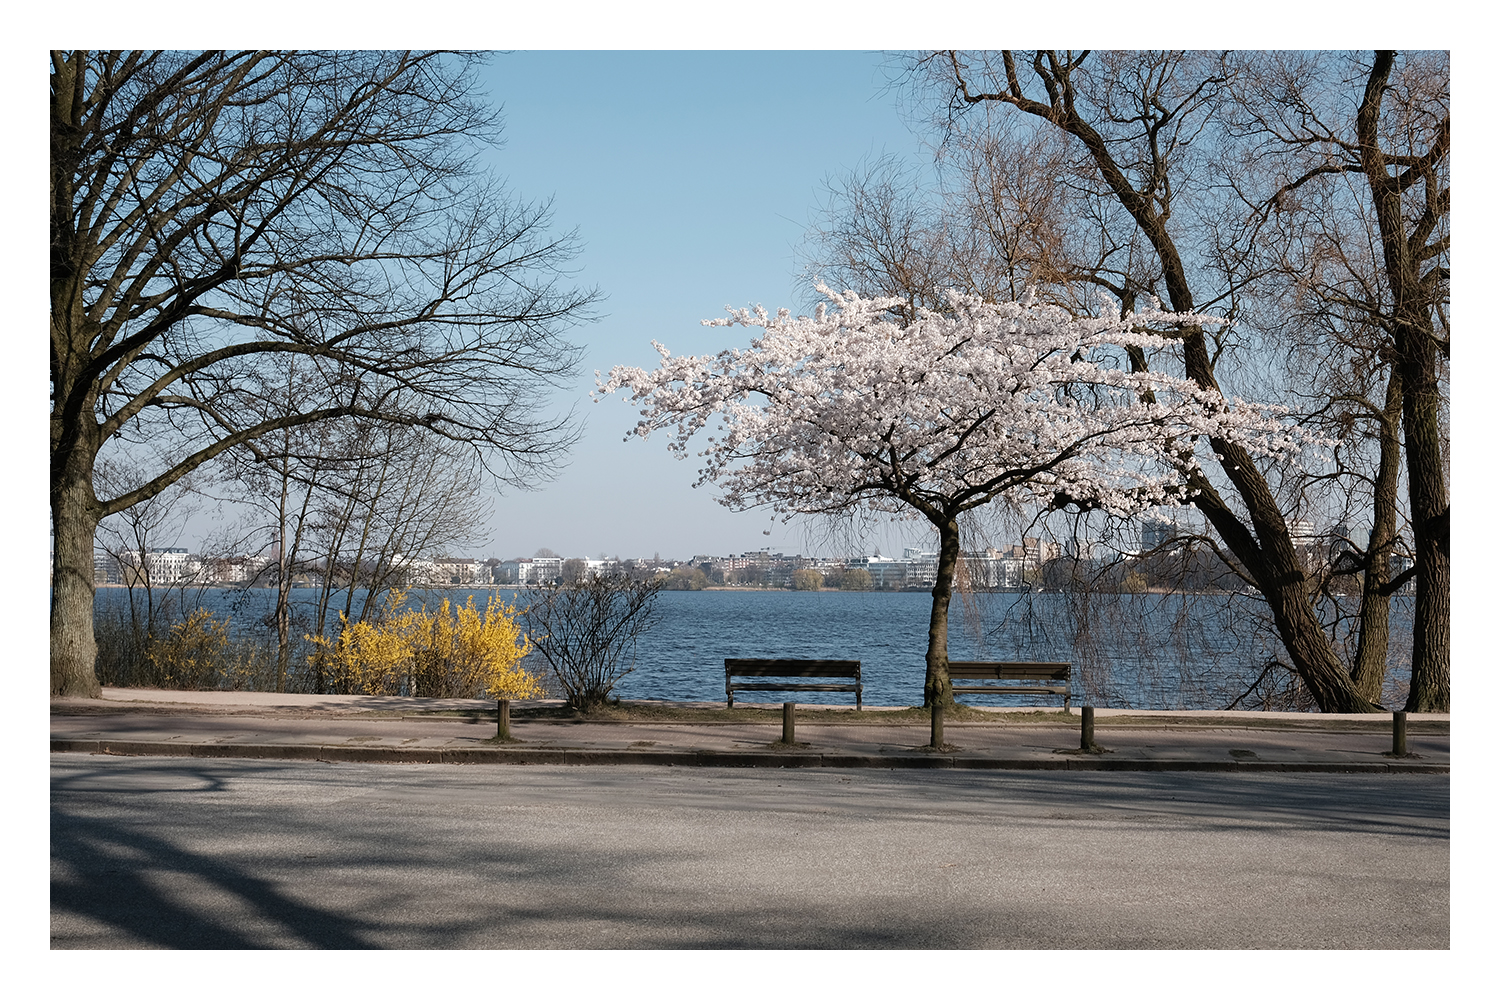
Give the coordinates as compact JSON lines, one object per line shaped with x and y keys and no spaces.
{"x":1347,"y":538}
{"x":1156,"y":532}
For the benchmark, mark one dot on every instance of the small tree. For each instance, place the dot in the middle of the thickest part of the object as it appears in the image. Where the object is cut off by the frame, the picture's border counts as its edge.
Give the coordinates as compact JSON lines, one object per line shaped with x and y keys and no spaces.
{"x":685,"y":578}
{"x":857,"y":579}
{"x":807,"y":579}
{"x":587,"y":629}
{"x":935,"y":417}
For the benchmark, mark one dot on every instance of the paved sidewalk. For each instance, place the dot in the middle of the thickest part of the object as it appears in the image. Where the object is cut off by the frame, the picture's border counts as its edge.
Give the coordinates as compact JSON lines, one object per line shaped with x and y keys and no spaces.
{"x":409,"y":730}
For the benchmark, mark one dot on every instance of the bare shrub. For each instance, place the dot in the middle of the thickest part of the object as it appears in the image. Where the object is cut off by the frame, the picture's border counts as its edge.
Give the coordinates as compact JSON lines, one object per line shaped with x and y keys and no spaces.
{"x":587,"y":629}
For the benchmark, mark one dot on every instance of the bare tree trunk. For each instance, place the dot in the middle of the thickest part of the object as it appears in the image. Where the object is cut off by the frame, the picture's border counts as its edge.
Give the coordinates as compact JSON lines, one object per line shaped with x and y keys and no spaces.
{"x":283,"y":584}
{"x":1272,"y":562}
{"x":1430,"y":648}
{"x":75,"y":519}
{"x":1368,"y":671}
{"x":937,"y":690}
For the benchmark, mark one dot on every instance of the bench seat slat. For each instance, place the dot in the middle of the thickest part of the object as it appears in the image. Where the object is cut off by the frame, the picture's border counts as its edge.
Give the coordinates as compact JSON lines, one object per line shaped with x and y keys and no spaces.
{"x":1039,"y":672}
{"x":1026,"y":689}
{"x":795,"y":687}
{"x":818,"y":670}
{"x":791,"y":668}
{"x":978,"y":669}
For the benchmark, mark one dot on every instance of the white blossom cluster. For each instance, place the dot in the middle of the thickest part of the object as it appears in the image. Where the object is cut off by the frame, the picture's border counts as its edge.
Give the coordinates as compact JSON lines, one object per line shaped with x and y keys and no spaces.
{"x":849,"y":408}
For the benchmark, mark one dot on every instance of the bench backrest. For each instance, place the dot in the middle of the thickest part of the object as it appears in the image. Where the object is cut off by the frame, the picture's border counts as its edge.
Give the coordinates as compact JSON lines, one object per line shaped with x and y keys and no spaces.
{"x":981,"y":670}
{"x":790,"y":668}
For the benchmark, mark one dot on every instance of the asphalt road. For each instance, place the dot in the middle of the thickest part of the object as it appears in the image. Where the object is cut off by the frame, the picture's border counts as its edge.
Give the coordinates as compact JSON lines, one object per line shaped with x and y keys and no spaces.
{"x":180,"y":853}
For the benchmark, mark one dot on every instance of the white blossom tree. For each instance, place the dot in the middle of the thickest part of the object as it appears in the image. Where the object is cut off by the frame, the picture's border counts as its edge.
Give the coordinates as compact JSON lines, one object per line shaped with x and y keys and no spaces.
{"x":850,"y":409}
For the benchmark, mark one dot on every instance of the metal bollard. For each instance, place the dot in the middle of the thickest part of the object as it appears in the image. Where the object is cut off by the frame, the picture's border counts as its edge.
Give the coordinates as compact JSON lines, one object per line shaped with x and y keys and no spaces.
{"x":1087,"y":743}
{"x":1398,"y":734}
{"x":788,"y":722}
{"x":502,"y":719}
{"x":937,"y":727}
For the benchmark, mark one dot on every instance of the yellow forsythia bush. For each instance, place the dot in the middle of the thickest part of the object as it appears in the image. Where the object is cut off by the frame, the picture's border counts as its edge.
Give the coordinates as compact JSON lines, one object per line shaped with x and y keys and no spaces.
{"x":188,"y":657}
{"x":453,"y":652}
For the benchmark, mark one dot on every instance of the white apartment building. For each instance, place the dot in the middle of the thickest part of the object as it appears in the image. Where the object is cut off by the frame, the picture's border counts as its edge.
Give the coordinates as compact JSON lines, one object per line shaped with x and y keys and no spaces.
{"x":234,"y":569}
{"x":159,"y":565}
{"x":885,"y":573}
{"x":523,"y":572}
{"x":450,"y":572}
{"x":921,"y":568}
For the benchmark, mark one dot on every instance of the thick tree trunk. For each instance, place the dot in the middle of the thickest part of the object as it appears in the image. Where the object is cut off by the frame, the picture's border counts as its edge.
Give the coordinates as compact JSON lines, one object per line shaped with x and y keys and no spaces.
{"x":1370,"y":654}
{"x":75,"y":511}
{"x":1312,"y":656}
{"x":1430,"y":648}
{"x":938,"y":689}
{"x":1270,"y":558}
{"x":74,"y":520}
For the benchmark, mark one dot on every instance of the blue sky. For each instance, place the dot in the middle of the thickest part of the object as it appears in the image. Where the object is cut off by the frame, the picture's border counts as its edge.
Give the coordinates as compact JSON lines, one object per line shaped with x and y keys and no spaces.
{"x":691,"y":178}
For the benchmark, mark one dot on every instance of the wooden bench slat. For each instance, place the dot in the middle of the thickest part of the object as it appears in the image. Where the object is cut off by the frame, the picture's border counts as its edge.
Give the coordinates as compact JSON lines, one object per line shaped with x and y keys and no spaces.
{"x":976,"y":669}
{"x":1041,"y":672}
{"x":821,"y":669}
{"x":795,"y":687}
{"x":792,"y":668}
{"x":1028,"y":689}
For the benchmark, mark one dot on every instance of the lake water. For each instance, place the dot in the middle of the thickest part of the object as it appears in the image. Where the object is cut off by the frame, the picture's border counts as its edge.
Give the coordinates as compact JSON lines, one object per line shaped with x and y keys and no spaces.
{"x":1128,"y":651}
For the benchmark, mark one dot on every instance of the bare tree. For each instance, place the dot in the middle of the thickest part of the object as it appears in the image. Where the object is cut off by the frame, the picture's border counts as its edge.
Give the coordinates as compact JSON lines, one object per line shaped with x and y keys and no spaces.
{"x":277,"y":481}
{"x":212,"y":211}
{"x":587,"y":630}
{"x":1153,"y":145}
{"x":1380,"y":155}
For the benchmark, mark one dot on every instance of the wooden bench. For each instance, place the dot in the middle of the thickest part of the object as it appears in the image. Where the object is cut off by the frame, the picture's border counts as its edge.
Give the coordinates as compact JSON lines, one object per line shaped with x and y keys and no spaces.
{"x":823,"y":670}
{"x":1045,"y":678}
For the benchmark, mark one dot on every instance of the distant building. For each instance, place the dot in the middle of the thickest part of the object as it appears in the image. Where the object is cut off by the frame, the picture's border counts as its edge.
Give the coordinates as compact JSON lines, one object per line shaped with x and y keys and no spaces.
{"x":1156,"y":532}
{"x":107,"y":568}
{"x":454,"y":572}
{"x":234,"y":569}
{"x":159,"y":566}
{"x":1076,"y":548}
{"x":885,"y":573}
{"x":921,"y":568}
{"x":1303,"y":532}
{"x":524,"y":572}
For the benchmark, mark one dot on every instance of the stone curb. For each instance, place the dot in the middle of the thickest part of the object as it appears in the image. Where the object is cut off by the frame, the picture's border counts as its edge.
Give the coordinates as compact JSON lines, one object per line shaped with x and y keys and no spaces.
{"x":709,"y":758}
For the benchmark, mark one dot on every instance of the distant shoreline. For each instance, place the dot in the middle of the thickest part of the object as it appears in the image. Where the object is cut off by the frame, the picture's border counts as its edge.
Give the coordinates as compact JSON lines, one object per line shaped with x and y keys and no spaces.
{"x":1150,"y":591}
